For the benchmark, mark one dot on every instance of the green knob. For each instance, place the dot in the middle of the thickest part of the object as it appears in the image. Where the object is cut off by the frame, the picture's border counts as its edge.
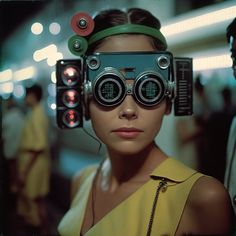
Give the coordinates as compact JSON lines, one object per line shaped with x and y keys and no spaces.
{"x":77,"y":45}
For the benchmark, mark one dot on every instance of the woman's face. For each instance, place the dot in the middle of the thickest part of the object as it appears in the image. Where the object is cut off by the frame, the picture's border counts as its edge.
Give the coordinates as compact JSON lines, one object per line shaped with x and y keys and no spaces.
{"x":127,"y":128}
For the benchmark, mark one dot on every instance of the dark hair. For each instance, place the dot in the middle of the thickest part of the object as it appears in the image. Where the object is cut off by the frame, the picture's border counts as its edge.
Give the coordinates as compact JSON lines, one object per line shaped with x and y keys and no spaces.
{"x":231,"y":30}
{"x":36,"y":90}
{"x":198,"y":84}
{"x":113,"y":17}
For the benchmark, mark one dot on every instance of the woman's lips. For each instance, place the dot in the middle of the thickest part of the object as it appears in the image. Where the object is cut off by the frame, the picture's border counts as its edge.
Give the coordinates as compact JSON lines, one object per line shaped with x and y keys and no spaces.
{"x":127,"y":132}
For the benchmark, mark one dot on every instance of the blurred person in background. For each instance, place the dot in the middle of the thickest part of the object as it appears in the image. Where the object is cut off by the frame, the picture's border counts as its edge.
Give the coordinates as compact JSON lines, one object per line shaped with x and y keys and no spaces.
{"x":34,"y":164}
{"x":211,"y":131}
{"x":12,"y":124}
{"x":229,"y":106}
{"x":201,"y":115}
{"x":186,"y":135}
{"x":191,"y":135}
{"x":217,"y":131}
{"x":230,"y":173}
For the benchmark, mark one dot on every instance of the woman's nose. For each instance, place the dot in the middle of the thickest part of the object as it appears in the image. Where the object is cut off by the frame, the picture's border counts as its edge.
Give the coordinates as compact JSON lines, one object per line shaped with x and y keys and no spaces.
{"x":128,"y":108}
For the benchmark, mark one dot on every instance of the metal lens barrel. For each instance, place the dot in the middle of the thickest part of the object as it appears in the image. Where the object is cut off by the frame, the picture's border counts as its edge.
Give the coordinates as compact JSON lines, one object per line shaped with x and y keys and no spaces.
{"x":149,"y":89}
{"x":109,"y":88}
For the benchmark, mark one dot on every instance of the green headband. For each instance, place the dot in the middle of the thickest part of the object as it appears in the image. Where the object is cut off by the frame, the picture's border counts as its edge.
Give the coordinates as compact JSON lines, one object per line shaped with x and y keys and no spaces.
{"x":126,"y":29}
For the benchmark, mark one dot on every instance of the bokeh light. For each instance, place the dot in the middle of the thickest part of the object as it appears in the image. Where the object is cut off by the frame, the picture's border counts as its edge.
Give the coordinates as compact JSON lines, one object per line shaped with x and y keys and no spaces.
{"x":37,"y":28}
{"x":54,"y":28}
{"x":19,"y":91}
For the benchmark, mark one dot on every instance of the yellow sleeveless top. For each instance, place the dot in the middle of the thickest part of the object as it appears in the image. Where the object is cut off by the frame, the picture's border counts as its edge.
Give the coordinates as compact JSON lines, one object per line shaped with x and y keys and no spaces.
{"x":131,"y":217}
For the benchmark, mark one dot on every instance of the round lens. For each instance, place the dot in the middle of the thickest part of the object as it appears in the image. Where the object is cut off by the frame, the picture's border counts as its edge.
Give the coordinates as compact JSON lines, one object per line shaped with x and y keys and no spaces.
{"x":70,"y":98}
{"x":149,"y":89}
{"x":70,"y":75}
{"x":109,"y":90}
{"x":71,"y":118}
{"x":93,"y":62}
{"x":163,"y":62}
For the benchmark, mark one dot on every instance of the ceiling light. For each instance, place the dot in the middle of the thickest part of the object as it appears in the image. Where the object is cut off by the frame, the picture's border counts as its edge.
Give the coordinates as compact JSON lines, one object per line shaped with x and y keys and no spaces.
{"x":25,"y":73}
{"x":45,"y":52}
{"x":200,"y":21}
{"x":213,"y":62}
{"x":6,"y":75}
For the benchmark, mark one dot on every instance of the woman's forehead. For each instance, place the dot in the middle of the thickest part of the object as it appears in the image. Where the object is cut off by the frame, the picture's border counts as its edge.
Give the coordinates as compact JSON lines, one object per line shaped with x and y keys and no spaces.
{"x":126,"y":43}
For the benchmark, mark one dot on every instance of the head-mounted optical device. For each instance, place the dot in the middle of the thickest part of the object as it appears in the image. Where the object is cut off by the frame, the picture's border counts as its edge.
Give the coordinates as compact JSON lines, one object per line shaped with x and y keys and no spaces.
{"x":107,"y":78}
{"x":148,"y":76}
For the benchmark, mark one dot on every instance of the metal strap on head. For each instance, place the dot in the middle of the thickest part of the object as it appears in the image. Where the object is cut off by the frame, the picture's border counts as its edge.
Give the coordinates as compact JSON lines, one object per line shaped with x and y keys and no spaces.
{"x":128,"y":29}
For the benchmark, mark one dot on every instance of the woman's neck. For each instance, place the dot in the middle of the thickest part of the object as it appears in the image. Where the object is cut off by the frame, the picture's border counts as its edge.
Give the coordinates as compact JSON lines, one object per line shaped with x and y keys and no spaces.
{"x":134,"y":168}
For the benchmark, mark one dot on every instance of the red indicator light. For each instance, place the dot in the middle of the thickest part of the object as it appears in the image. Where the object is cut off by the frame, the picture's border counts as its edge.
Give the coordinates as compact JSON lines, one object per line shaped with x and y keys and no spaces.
{"x":71,"y":118}
{"x":70,"y":75}
{"x":70,"y":98}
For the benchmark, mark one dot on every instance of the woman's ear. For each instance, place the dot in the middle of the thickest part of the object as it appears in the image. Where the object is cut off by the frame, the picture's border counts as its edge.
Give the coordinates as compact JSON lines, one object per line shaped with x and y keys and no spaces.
{"x":168,"y":106}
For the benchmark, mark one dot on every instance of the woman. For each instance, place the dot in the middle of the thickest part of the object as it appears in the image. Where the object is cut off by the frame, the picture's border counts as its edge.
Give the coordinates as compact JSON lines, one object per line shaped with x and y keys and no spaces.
{"x":138,"y":189}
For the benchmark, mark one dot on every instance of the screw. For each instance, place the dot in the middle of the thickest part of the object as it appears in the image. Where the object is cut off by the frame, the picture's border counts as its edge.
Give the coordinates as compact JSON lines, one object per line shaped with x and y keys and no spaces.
{"x":77,"y":45}
{"x":82,"y":23}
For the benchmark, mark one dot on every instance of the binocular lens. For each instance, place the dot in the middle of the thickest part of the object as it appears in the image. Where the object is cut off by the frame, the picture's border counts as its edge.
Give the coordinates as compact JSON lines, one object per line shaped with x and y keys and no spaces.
{"x":70,"y":75}
{"x":149,"y":89}
{"x":71,"y":118}
{"x":70,"y":98}
{"x":109,"y":90}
